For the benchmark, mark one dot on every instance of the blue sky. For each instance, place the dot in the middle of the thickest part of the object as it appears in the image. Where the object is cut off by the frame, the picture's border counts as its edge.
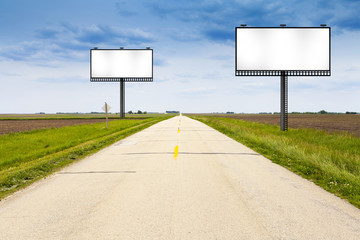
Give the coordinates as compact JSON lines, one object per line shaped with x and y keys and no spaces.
{"x":44,"y":55}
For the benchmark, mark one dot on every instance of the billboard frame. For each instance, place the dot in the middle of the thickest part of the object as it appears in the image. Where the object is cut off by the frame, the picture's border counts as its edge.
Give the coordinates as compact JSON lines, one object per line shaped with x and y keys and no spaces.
{"x":279,"y":72}
{"x":121,"y":79}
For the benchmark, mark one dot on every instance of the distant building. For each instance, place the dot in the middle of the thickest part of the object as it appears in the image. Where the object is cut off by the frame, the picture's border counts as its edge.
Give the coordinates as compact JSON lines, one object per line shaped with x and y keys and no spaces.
{"x":230,"y":113}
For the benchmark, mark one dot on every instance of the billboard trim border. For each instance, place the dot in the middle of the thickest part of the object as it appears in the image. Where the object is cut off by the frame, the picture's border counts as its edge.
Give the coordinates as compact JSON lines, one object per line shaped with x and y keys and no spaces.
{"x":299,"y":73}
{"x":121,"y":79}
{"x":127,"y":79}
{"x":240,"y":73}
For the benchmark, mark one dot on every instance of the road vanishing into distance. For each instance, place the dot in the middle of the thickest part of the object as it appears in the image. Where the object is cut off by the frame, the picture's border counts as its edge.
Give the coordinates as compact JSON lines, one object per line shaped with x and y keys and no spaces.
{"x":138,"y":188}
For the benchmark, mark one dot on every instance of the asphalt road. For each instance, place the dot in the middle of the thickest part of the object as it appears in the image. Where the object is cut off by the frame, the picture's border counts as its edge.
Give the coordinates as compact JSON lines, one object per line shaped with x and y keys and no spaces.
{"x":214,"y":189}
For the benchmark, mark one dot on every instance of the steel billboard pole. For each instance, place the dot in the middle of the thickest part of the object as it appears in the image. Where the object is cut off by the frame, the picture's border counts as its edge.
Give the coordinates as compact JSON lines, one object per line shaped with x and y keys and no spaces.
{"x":284,"y":101}
{"x":122,"y":98}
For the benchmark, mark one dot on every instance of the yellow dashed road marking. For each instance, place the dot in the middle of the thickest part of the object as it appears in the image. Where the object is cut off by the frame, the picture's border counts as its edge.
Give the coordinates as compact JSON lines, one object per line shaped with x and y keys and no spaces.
{"x":176,"y":152}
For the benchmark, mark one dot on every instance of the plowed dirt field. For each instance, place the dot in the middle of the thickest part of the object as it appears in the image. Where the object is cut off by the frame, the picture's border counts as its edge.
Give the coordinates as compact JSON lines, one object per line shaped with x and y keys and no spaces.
{"x":327,"y":122}
{"x":13,"y":126}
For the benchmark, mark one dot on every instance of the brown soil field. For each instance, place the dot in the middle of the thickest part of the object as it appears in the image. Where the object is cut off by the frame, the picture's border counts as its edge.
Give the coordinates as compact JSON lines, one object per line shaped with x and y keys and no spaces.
{"x":330,"y":123}
{"x":13,"y":126}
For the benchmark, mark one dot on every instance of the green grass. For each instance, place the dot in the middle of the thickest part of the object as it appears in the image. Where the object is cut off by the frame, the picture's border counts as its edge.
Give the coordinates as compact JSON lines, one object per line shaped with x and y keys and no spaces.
{"x":28,"y":156}
{"x":332,"y":161}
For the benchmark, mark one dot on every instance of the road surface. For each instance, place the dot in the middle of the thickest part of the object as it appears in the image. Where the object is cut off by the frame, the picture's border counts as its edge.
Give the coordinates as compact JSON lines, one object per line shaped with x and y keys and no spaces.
{"x":215,"y":188}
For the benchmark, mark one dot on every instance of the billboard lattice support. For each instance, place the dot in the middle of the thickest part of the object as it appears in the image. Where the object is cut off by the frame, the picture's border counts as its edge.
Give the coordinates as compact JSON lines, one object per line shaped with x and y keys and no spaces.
{"x":284,"y":101}
{"x":122,"y":98}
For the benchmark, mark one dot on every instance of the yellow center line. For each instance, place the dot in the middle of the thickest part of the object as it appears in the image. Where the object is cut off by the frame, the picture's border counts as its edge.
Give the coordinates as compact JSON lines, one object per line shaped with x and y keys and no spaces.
{"x":176,"y":152}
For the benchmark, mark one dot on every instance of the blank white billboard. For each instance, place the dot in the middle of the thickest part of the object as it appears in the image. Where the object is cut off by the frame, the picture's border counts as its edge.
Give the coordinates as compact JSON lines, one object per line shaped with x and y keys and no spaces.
{"x":121,"y":63}
{"x":268,"y":49}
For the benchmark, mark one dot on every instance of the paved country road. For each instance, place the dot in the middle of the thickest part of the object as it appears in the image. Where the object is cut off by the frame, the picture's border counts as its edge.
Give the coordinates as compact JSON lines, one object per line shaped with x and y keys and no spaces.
{"x":215,"y":189}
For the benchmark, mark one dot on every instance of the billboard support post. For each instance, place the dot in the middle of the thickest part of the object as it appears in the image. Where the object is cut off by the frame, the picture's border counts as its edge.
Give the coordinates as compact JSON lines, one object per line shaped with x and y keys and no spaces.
{"x":284,"y":101}
{"x":122,"y":98}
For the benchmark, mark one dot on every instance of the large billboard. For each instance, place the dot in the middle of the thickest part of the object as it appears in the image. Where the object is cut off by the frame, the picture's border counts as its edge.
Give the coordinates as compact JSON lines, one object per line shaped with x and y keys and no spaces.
{"x":121,"y":64}
{"x":268,"y":51}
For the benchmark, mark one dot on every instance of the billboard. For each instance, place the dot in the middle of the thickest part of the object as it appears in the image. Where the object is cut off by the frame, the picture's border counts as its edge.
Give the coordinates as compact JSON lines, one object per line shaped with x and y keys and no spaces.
{"x":121,"y":64}
{"x":268,"y":51}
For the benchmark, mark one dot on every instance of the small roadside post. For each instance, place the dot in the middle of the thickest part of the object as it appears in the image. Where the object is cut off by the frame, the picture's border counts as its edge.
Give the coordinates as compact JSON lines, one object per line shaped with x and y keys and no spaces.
{"x":106,"y":108}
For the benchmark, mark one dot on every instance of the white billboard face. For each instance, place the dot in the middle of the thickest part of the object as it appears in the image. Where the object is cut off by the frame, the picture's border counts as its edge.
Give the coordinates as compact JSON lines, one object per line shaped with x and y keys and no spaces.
{"x":286,"y":49}
{"x":121,"y":63}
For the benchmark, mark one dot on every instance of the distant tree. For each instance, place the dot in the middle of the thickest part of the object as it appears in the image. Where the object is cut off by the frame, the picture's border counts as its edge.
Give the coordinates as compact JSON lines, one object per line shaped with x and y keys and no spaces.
{"x":323,"y":112}
{"x":139,"y":112}
{"x":130,"y":112}
{"x":145,"y":112}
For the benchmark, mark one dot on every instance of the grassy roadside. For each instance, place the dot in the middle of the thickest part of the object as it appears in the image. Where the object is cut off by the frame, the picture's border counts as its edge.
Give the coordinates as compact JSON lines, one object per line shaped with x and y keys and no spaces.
{"x":332,"y":161}
{"x":29,"y":156}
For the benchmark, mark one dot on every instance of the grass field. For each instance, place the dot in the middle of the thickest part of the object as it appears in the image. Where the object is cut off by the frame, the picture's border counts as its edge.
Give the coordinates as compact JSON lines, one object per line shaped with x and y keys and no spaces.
{"x":331,"y":160}
{"x":28,"y":156}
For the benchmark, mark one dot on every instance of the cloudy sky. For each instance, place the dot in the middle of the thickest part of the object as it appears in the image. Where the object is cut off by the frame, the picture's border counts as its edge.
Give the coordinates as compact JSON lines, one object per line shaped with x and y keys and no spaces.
{"x":44,"y":55}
